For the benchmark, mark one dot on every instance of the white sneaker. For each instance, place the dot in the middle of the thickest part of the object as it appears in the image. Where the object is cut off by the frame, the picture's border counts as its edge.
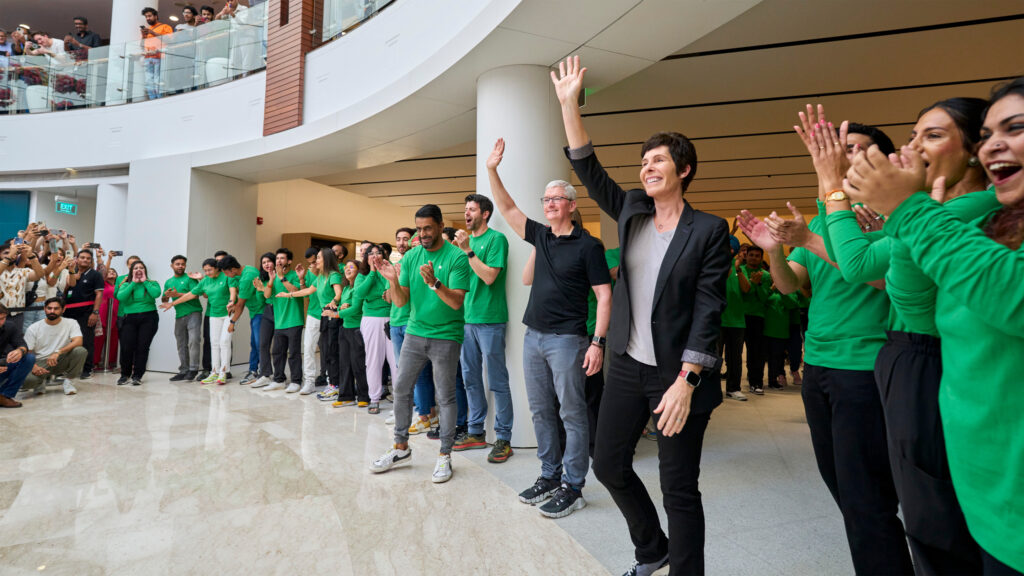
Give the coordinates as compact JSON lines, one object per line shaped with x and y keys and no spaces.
{"x":392,"y":458}
{"x":329,"y":394}
{"x":69,"y":388}
{"x":443,"y":469}
{"x":292,"y":388}
{"x":275,"y":386}
{"x":261,"y":382}
{"x":308,"y":388}
{"x":390,"y":420}
{"x":737,"y":395}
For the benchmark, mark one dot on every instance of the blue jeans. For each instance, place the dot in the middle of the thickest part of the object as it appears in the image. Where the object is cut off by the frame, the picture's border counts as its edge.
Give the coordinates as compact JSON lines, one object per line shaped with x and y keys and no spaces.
{"x":255,"y":322}
{"x":423,"y":393}
{"x":152,"y":71}
{"x":553,"y":367}
{"x":12,"y":378}
{"x":484,"y":345}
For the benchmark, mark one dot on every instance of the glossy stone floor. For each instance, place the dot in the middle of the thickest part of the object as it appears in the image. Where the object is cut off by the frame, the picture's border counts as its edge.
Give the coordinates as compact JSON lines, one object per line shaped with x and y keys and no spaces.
{"x":183,"y":479}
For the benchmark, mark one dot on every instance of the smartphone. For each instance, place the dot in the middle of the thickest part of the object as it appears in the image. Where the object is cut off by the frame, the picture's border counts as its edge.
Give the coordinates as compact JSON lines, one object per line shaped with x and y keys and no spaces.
{"x":19,"y":241}
{"x":116,"y":253}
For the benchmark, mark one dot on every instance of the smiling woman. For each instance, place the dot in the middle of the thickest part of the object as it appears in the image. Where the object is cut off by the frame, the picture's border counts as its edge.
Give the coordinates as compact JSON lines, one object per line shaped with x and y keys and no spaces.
{"x":666,"y":317}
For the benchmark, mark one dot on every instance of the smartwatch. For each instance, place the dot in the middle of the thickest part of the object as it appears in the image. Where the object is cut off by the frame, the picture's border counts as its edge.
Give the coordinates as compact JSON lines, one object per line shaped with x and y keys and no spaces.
{"x":599,"y":341}
{"x":470,"y":254}
{"x":435,"y":285}
{"x":692,"y":378}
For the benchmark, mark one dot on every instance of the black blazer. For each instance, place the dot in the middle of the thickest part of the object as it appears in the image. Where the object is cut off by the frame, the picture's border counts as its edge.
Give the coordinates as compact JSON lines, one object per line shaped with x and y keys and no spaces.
{"x":689,"y":295}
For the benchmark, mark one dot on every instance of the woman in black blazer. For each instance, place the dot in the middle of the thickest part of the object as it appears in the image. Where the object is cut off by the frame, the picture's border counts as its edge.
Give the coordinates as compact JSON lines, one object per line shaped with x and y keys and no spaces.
{"x":666,"y":316}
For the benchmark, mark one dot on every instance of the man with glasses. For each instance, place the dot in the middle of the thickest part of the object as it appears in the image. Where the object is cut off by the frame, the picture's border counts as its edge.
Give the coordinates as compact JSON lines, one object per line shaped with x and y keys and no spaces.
{"x":557,"y":355}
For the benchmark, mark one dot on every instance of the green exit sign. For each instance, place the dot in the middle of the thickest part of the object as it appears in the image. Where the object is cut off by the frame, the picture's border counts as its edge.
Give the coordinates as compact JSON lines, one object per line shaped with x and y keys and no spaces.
{"x":66,"y":208}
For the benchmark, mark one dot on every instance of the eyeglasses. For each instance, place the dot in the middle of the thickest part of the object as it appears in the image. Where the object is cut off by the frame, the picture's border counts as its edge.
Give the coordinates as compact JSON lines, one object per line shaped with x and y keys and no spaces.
{"x":552,"y":199}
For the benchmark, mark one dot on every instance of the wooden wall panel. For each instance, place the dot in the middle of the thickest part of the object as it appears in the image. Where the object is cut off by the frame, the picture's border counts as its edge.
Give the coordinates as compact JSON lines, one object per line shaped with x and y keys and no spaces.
{"x":287,"y":47}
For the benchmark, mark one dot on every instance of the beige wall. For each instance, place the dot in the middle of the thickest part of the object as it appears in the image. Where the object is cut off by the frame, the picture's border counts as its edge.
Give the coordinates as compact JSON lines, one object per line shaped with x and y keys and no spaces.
{"x":294,"y":206}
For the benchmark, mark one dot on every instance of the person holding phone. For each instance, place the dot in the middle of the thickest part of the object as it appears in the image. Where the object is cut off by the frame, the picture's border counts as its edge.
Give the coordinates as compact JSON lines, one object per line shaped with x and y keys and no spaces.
{"x":153,"y":54}
{"x":137,"y":297}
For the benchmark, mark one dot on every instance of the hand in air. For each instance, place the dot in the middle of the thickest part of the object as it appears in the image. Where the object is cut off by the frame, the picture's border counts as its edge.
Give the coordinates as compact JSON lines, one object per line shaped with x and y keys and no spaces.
{"x":569,"y":80}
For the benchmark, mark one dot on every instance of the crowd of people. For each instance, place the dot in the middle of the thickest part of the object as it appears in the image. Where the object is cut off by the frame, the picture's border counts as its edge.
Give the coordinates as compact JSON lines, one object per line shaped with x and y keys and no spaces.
{"x":907,"y":385}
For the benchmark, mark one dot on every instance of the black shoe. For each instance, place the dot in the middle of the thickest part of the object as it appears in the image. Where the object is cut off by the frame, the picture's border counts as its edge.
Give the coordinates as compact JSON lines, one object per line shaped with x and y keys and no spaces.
{"x":86,"y":376}
{"x":640,"y":569}
{"x":434,"y":433}
{"x":122,"y":380}
{"x":228,"y":376}
{"x":563,"y":502}
{"x":179,"y":377}
{"x":136,"y":381}
{"x":461,"y":430}
{"x":759,"y":390}
{"x":776,"y":386}
{"x":203,"y":375}
{"x":541,"y":490}
{"x":190,"y":375}
{"x":321,"y":380}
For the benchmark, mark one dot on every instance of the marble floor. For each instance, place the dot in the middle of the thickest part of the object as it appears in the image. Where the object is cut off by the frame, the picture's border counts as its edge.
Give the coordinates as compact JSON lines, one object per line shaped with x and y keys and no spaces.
{"x":178,"y":478}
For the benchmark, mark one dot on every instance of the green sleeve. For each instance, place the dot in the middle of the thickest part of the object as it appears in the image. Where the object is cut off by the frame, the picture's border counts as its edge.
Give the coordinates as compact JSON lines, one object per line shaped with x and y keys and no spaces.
{"x":497,"y":257}
{"x":911,"y":293}
{"x":825,"y":236}
{"x":355,"y":304}
{"x":403,"y":276}
{"x":233,"y":282}
{"x":364,"y":284}
{"x":152,"y":288}
{"x":199,"y":289}
{"x":984,"y":275}
{"x":246,"y":290}
{"x":861,"y":257}
{"x":458,"y":278}
{"x":612,"y":257}
{"x":123,"y":290}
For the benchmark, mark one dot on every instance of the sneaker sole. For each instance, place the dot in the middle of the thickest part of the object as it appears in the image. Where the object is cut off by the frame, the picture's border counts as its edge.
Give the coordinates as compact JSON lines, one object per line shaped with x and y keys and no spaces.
{"x":397,"y":463}
{"x":500,"y":459}
{"x":441,"y":479}
{"x":474,"y":446}
{"x":579,"y":504}
{"x":537,"y":499}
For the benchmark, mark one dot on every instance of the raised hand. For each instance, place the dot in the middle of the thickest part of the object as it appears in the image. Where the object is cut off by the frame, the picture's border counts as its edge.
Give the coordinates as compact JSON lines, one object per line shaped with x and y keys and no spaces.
{"x":166,"y":306}
{"x":757,"y":231}
{"x":569,"y":80}
{"x":196,"y":275}
{"x":791,"y":232}
{"x":427,"y":272}
{"x":494,"y":159}
{"x":883,"y":186}
{"x":462,"y":240}
{"x":258,"y":284}
{"x":301,"y":271}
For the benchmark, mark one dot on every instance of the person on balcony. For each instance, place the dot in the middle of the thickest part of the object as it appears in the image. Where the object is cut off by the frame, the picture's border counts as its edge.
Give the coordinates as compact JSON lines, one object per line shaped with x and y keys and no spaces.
{"x":79,"y":43}
{"x":153,"y":50}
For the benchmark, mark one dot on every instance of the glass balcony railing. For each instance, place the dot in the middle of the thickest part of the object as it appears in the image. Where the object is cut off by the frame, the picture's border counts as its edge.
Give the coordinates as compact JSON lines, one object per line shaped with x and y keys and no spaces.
{"x":189,"y":59}
{"x":336,"y":18}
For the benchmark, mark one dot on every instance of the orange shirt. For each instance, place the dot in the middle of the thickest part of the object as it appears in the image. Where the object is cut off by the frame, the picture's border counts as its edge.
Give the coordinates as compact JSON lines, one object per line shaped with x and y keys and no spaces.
{"x":153,"y":45}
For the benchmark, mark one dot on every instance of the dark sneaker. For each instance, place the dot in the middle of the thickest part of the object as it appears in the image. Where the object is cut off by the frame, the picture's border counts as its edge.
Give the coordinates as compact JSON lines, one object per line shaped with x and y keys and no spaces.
{"x":648,"y":569}
{"x":203,"y":376}
{"x":136,"y":381}
{"x":502,"y":451}
{"x":563,"y":502}
{"x":774,"y":386}
{"x":434,"y":433}
{"x":759,"y":390}
{"x":228,"y":376}
{"x":191,"y":375}
{"x":179,"y":377}
{"x":541,"y":490}
{"x":123,"y":380}
{"x":470,"y":442}
{"x":85,"y":376}
{"x":321,"y":380}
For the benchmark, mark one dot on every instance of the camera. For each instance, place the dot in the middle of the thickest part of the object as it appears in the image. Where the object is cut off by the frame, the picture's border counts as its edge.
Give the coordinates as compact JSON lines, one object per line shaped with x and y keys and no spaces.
{"x":117,"y":253}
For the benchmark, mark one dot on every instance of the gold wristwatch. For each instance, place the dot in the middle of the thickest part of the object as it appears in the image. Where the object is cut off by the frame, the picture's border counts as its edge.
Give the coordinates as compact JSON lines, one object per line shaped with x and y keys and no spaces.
{"x":837,"y":195}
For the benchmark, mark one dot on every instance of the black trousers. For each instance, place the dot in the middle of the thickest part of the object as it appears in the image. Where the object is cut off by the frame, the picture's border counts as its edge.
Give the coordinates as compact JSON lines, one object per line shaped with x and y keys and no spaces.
{"x":795,"y":348}
{"x":730,"y":347}
{"x":908,"y":371}
{"x":754,"y":338}
{"x":81,"y":315}
{"x":266,"y":337}
{"x":330,"y":332}
{"x":288,"y":346}
{"x":207,"y":363}
{"x":135,"y":336}
{"x":775,"y":354}
{"x":844,"y":413}
{"x":352,"y":366}
{"x":322,"y":344}
{"x":993,"y":567}
{"x":631,"y":393}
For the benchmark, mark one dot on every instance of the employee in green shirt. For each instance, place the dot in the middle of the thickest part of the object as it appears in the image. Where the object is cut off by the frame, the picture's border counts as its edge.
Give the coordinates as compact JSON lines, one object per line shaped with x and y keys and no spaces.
{"x":369,"y":288}
{"x":733,"y":325}
{"x":137,"y":298}
{"x":324,"y":292}
{"x":776,"y":335}
{"x":188,"y":320}
{"x":841,"y":400}
{"x":266,"y":322}
{"x":976,"y":267}
{"x":753,"y":316}
{"x":433,"y":281}
{"x":252,"y":300}
{"x":486,"y":313}
{"x":352,"y":386}
{"x":330,"y":336}
{"x":288,"y":321}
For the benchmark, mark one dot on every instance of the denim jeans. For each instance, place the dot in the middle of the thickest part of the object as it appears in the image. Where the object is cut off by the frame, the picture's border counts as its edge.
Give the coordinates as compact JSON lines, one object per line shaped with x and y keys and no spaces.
{"x":12,"y":378}
{"x":255,"y":323}
{"x":188,"y":334}
{"x":484,"y":345}
{"x":444,"y":355}
{"x":553,"y":367}
{"x":423,"y":394}
{"x":152,"y":71}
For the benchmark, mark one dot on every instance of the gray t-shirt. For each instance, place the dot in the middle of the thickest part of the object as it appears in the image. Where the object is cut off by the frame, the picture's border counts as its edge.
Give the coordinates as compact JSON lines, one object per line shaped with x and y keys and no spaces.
{"x":43,"y":339}
{"x":643,"y":258}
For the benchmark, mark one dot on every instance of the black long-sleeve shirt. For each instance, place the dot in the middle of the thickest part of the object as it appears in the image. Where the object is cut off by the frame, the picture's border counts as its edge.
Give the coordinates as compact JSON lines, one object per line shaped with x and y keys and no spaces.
{"x":10,"y":338}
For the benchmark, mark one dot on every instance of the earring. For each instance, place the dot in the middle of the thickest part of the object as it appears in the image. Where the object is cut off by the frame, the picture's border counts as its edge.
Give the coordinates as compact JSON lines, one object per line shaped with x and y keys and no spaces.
{"x":973,"y":161}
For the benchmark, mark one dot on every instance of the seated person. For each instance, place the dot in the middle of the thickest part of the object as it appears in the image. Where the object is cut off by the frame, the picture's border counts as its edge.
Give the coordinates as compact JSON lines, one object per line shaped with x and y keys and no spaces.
{"x":15,"y":361}
{"x":57,"y":345}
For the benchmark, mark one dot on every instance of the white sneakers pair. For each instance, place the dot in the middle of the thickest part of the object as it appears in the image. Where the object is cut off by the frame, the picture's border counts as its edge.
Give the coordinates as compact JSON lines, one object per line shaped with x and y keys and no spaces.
{"x":269,"y":385}
{"x":395,"y":457}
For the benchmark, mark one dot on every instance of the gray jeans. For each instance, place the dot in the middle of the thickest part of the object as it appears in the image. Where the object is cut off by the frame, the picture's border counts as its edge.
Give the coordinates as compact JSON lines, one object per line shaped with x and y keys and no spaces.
{"x":444,"y":356}
{"x":68,"y":366}
{"x":188,"y":333}
{"x":553,"y":368}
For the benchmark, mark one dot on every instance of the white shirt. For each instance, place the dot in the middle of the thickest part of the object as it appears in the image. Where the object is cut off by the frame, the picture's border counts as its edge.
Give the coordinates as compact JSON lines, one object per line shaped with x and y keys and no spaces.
{"x":61,"y":285}
{"x":43,"y":339}
{"x":13,"y":283}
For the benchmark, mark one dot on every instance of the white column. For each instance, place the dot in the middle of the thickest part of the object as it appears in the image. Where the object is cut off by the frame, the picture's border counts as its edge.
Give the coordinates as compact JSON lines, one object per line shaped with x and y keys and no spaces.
{"x":518,"y":103}
{"x":125,"y":19}
{"x":111,"y":209}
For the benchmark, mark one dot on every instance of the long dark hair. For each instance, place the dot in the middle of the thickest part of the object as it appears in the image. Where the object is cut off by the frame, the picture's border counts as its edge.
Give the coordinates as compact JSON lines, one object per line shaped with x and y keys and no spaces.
{"x":330,"y":262}
{"x":1007,"y":226}
{"x":344,"y":279}
{"x":967,"y":113}
{"x":131,"y":271}
{"x":364,"y":266}
{"x":264,"y":275}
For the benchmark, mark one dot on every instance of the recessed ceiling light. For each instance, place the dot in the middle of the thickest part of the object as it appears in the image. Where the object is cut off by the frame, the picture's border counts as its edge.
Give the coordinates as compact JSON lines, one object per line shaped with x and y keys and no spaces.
{"x":174,"y":18}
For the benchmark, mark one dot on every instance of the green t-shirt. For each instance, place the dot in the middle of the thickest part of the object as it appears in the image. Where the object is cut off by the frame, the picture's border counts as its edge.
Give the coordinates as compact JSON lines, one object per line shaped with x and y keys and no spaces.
{"x":287,"y":311}
{"x":183,"y":285}
{"x":218,"y":293}
{"x":352,"y":316}
{"x":753,"y":301}
{"x":325,"y":290}
{"x":429,"y":316}
{"x":254,"y":299}
{"x":370,"y":289}
{"x":776,"y":315}
{"x":847,"y":321}
{"x":117,"y":284}
{"x":135,"y":297}
{"x":487,"y":304}
{"x":733,"y":316}
{"x":611,"y":257}
{"x":399,"y":315}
